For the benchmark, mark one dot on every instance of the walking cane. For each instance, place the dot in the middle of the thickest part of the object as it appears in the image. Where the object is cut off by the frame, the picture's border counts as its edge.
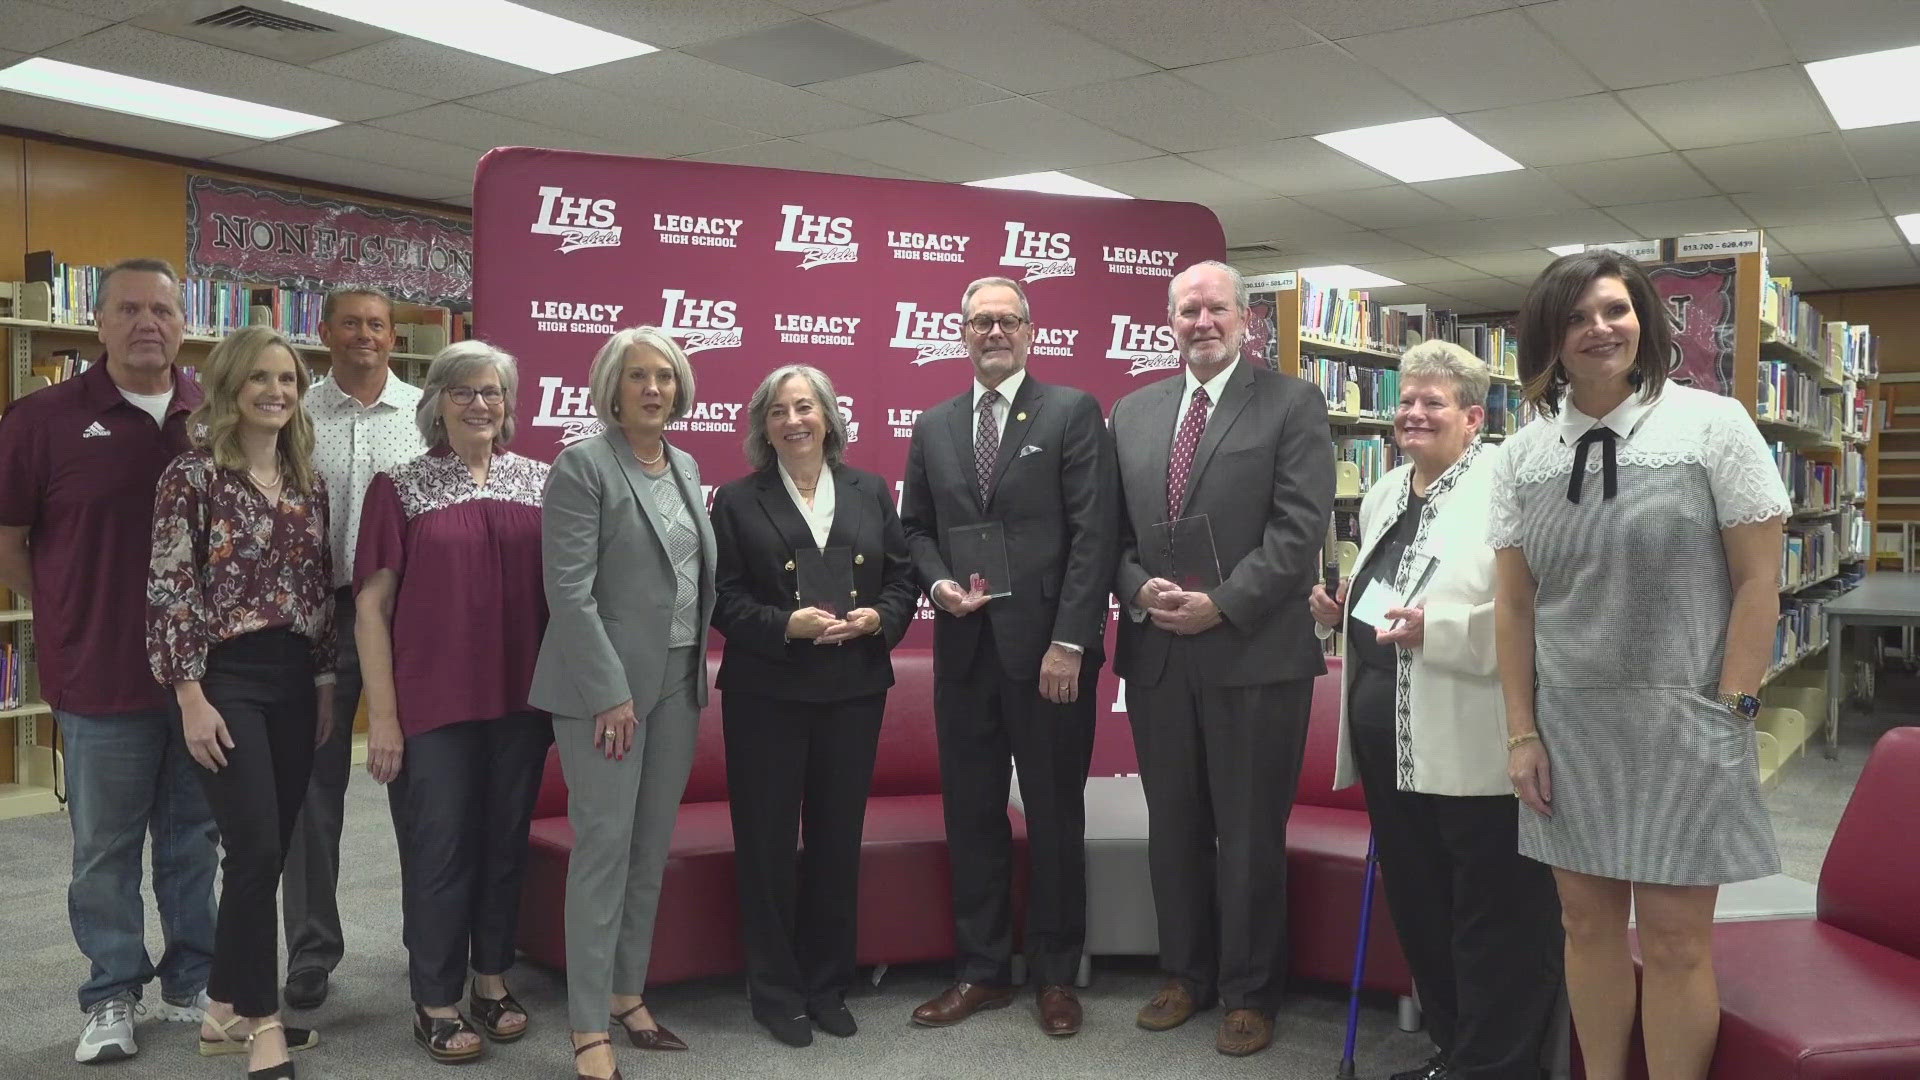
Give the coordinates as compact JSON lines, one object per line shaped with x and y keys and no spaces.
{"x":1359,"y":964}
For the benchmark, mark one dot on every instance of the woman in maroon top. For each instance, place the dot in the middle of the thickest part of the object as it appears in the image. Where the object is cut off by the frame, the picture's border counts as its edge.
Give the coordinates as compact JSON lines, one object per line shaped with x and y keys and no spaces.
{"x":450,"y":611}
{"x":239,"y":624}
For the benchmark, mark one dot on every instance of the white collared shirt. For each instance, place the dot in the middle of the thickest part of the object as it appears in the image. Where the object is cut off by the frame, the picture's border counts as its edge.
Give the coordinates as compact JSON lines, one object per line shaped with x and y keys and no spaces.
{"x":1007,"y":388}
{"x":1214,"y":386}
{"x":819,"y":516}
{"x":1624,"y":420}
{"x":351,"y":443}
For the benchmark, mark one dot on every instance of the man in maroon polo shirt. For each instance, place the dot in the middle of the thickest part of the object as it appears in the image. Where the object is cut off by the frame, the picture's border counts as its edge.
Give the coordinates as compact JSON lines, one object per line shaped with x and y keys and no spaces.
{"x":79,"y":465}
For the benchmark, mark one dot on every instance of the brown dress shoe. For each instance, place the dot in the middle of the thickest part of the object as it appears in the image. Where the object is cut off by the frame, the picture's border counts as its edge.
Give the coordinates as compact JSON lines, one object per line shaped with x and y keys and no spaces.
{"x":960,"y":1001}
{"x":1059,"y":1011}
{"x":1243,"y":1032}
{"x":1172,"y":1005}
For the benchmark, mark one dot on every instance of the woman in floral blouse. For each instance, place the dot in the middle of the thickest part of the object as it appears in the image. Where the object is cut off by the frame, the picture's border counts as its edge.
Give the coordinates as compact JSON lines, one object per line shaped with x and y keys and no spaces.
{"x":449,"y":612}
{"x":239,"y":625}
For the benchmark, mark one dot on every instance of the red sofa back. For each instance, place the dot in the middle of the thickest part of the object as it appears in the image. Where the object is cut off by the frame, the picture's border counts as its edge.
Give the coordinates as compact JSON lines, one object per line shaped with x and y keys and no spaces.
{"x":1870,"y":881}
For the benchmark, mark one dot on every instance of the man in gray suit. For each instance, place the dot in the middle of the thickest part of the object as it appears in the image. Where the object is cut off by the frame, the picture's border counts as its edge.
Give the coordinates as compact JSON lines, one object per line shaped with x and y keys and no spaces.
{"x":1220,"y":675}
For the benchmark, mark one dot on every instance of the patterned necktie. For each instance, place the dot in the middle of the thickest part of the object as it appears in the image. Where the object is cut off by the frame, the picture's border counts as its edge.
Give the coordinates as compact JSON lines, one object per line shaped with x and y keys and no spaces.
{"x":986,"y":444}
{"x":1184,"y":444}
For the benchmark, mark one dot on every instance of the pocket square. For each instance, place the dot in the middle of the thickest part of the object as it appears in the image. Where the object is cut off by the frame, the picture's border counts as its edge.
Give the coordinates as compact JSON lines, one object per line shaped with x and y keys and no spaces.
{"x":1025,"y":450}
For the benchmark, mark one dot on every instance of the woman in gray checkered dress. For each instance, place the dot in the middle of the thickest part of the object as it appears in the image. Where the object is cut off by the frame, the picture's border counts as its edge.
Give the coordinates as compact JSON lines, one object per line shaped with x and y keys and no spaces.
{"x":1637,"y":525}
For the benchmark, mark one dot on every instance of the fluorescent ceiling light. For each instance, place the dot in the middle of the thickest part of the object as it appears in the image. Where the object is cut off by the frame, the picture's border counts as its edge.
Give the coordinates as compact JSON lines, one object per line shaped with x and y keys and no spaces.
{"x":1909,"y":224}
{"x":1870,"y":89}
{"x":98,"y":89}
{"x":1051,"y":183}
{"x":1414,"y":150}
{"x":1567,"y":249}
{"x":504,"y":31}
{"x":1346,"y":277}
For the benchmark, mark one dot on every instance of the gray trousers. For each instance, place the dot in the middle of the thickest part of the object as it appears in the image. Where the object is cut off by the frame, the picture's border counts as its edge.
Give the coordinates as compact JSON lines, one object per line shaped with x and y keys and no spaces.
{"x":310,"y":882}
{"x":623,"y":812}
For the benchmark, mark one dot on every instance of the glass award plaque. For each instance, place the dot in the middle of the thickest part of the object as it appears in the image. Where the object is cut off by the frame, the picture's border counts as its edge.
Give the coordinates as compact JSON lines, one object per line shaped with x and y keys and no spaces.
{"x":1183,"y":549}
{"x":824,"y":579}
{"x":977,"y":555}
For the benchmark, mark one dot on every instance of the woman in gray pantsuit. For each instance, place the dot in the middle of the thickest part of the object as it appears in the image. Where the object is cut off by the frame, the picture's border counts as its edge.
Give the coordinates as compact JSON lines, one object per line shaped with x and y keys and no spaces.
{"x":629,"y":578}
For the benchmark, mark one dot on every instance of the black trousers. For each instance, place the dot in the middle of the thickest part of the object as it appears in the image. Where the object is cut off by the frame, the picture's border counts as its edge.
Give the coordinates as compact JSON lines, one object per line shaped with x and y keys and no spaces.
{"x":1479,"y":922}
{"x":309,"y":884}
{"x":462,"y":804}
{"x":984,"y":721}
{"x":262,"y":685}
{"x":1220,"y":765}
{"x":798,"y":773}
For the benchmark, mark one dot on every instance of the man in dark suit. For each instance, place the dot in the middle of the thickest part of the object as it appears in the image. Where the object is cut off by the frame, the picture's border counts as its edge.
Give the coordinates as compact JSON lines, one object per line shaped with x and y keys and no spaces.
{"x":1014,"y":675}
{"x":1220,"y":676}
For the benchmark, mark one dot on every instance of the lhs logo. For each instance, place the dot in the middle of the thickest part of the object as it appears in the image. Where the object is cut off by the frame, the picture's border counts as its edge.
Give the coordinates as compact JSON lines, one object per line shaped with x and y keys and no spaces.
{"x":1145,"y":346}
{"x":934,"y":335}
{"x":699,"y":324}
{"x":578,"y":222}
{"x":1041,"y":254}
{"x":820,"y":240}
{"x":568,"y":407}
{"x":846,"y":414}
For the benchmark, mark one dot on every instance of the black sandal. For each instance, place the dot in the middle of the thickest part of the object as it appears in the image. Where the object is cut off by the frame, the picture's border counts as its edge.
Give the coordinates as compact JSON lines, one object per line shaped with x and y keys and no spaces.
{"x":488,"y":1012}
{"x":435,"y":1034}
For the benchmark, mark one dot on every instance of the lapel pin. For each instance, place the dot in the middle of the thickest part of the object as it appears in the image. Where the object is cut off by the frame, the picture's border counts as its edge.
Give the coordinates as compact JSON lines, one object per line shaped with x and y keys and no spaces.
{"x":1022,"y":416}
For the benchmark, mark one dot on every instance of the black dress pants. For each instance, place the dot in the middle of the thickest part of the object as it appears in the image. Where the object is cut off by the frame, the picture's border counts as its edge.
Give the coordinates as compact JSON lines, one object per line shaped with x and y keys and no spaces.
{"x":262,"y":685}
{"x":799,"y":772}
{"x":462,"y":805}
{"x":986,"y":720}
{"x":1479,"y":922}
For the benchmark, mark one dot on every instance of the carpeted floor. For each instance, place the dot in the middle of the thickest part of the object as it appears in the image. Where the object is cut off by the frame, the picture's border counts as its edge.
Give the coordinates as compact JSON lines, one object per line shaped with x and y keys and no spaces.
{"x":364,"y":1025}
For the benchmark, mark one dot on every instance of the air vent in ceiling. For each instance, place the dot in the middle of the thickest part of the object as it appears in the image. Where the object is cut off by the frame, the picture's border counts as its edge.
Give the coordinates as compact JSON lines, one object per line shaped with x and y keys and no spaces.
{"x":242,"y":16}
{"x":274,"y":29}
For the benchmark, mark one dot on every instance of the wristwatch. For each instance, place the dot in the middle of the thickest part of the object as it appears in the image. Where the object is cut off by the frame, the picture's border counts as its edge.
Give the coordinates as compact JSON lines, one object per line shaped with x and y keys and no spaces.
{"x":1742,"y":705}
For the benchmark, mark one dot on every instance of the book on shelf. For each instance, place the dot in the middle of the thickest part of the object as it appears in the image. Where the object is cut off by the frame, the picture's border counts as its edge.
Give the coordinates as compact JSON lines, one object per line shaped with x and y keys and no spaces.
{"x":12,"y":676}
{"x":1813,"y":485}
{"x":1374,"y":458}
{"x":1353,"y":389}
{"x":71,"y":289}
{"x":1351,"y":318}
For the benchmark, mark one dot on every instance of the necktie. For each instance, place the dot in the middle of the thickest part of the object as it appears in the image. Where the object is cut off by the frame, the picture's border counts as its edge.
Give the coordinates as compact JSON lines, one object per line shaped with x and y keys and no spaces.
{"x":986,"y":444}
{"x":1185,"y":442}
{"x":1610,"y":481}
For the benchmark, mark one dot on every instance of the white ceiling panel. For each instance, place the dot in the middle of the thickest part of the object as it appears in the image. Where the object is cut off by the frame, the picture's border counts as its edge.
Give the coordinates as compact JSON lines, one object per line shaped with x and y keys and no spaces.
{"x":1809,"y":240}
{"x":1351,"y":248}
{"x":466,"y":126}
{"x":1277,"y":220}
{"x":1899,"y":194}
{"x":1174,"y":179}
{"x":1415,"y":294}
{"x":1420,"y":271}
{"x":110,"y":10}
{"x":1456,"y":239}
{"x":1777,"y":163}
{"x":898,"y":144}
{"x":1035,"y":135}
{"x":1521,"y":265}
{"x":1163,"y":112}
{"x":1492,"y":295}
{"x":1310,"y":90}
{"x":1653,"y":178}
{"x":1595,"y":127}
{"x":569,"y":105}
{"x":1447,"y":63}
{"x":1659,"y":220}
{"x":794,"y":154}
{"x":363,"y":143}
{"x":668,"y":23}
{"x":117,"y":129}
{"x":1824,"y":29}
{"x":347,"y":172}
{"x":1646,"y":42}
{"x":1297,"y":166}
{"x":1892,"y":265}
{"x":1391,"y":207}
{"x":908,"y":90}
{"x":1351,"y":18}
{"x":422,"y":67}
{"x":1217,"y":30}
{"x":1502,"y":194}
{"x":995,"y":40}
{"x":676,"y":82}
{"x":1893,"y":150}
{"x":1810,"y":205}
{"x":1767,"y":104}
{"x":31,"y":27}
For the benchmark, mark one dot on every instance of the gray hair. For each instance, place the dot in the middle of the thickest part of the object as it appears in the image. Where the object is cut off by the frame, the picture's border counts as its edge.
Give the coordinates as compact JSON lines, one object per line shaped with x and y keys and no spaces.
{"x":1233,"y":275}
{"x":760,"y":453}
{"x":977,"y":284}
{"x":341,"y":292}
{"x":1443,"y":360}
{"x":603,"y":378}
{"x":453,"y":365}
{"x":133,"y":266}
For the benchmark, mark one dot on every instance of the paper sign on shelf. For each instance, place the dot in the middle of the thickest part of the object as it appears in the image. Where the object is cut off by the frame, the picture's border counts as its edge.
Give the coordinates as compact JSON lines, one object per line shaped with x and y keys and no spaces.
{"x":1640,"y":250}
{"x":1273,"y":282}
{"x":1717,"y":244}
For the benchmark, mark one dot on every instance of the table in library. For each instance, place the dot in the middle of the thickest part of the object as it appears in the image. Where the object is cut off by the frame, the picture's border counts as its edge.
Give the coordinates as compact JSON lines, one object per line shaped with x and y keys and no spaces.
{"x":1883,"y":599}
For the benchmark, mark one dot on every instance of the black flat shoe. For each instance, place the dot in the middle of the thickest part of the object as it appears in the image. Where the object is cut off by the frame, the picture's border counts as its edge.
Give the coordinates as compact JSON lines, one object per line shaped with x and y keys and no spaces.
{"x":488,"y":1012}
{"x":435,"y":1034}
{"x":834,"y":1018}
{"x":795,"y":1031}
{"x":306,"y":988}
{"x":282,"y":1071}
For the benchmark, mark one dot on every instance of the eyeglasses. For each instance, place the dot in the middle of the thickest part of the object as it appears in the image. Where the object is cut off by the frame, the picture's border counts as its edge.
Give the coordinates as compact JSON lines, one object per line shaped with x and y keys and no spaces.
{"x":984,"y":324}
{"x":463,"y":395}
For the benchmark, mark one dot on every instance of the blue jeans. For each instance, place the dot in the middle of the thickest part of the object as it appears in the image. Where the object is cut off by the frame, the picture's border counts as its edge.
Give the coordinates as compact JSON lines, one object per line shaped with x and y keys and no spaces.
{"x":129,"y":774}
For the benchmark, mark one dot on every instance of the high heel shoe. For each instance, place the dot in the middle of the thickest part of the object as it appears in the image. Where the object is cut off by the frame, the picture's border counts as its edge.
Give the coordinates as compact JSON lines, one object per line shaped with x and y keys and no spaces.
{"x":657,"y":1039}
{"x":282,"y":1071}
{"x":578,"y":1050}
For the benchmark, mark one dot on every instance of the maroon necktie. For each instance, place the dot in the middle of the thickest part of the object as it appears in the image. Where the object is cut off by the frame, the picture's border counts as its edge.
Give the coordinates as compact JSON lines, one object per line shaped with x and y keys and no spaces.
{"x":1185,"y":442}
{"x":986,"y":444}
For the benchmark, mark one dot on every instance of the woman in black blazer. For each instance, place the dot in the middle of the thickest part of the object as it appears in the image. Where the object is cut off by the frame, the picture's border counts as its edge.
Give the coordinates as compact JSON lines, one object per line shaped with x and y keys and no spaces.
{"x":803,"y":686}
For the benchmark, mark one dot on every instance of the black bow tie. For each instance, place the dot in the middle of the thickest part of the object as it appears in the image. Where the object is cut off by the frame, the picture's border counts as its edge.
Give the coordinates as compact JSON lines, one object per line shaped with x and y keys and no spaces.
{"x":1608,"y":466}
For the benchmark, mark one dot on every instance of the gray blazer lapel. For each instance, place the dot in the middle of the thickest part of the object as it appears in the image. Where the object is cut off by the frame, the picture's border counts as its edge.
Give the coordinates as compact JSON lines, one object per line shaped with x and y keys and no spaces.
{"x":1233,"y":399}
{"x":1021,"y":413}
{"x":622,"y":451}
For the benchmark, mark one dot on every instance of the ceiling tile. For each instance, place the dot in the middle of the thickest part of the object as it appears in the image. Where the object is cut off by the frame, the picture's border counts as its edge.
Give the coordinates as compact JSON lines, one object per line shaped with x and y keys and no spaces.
{"x":816,"y":7}
{"x":659,"y":132}
{"x":1899,"y":194}
{"x":1871,"y":279}
{"x":1591,"y":128}
{"x":1447,"y":63}
{"x":1809,"y":240}
{"x":794,"y":154}
{"x":110,"y":10}
{"x":1892,"y":150}
{"x":800,"y":52}
{"x":1164,"y":112}
{"x":1174,"y":179}
{"x":1810,"y":205}
{"x":1351,"y":248}
{"x":1391,"y":207}
{"x":1653,"y":178}
{"x":32,"y":27}
{"x":1502,"y":194}
{"x":466,"y":126}
{"x":1521,"y":265}
{"x":326,"y":168}
{"x":1777,"y":163}
{"x":996,"y":40}
{"x":1660,"y":220}
{"x":899,"y":145}
{"x":668,"y":24}
{"x":1767,"y":104}
{"x":908,"y":90}
{"x":1780,"y":264}
{"x":1035,"y":135}
{"x":1492,"y":295}
{"x":1350,"y":18}
{"x":675,"y":82}
{"x":1420,"y":271}
{"x":1824,"y":29}
{"x":422,"y":67}
{"x":1217,"y":30}
{"x":1276,"y":219}
{"x":1310,"y":90}
{"x":1646,"y":42}
{"x":117,"y":129}
{"x":1454,"y":239}
{"x":391,"y":148}
{"x":1298,"y":166}
{"x":1889,"y":265}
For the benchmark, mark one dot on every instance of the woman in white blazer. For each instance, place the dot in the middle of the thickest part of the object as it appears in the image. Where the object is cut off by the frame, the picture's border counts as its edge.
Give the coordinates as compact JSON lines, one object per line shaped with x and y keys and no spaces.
{"x":1423,"y":729}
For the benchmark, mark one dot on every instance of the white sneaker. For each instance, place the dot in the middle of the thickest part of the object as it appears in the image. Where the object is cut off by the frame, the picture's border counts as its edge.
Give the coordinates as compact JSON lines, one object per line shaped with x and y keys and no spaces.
{"x":108,"y":1035}
{"x":190,"y":1013}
